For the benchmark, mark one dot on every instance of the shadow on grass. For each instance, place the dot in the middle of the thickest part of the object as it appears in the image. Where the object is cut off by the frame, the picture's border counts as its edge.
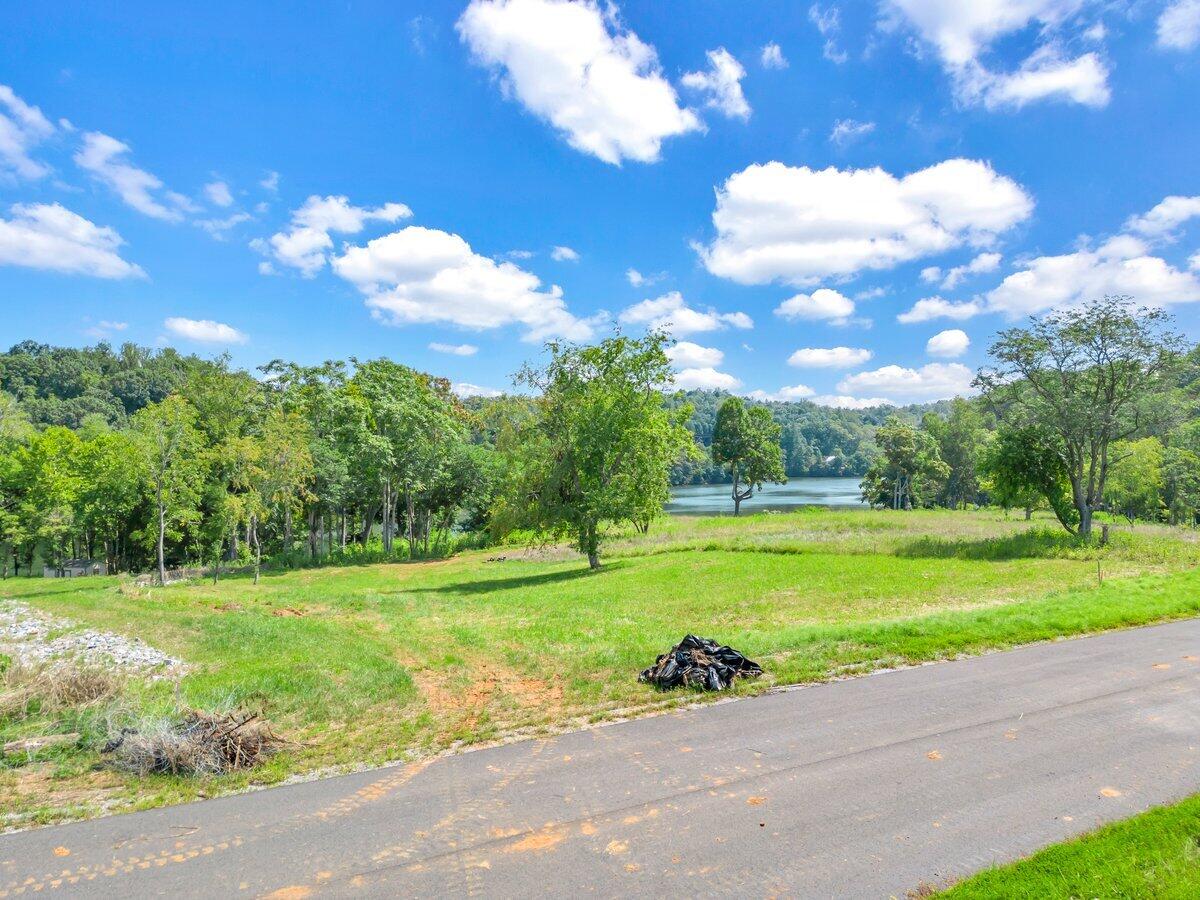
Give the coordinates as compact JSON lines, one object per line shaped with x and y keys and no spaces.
{"x":516,"y":582}
{"x":1036,"y":543}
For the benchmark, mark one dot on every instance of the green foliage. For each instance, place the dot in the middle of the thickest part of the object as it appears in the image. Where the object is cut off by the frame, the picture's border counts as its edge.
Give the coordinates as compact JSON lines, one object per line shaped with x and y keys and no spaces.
{"x":600,"y":444}
{"x":909,"y":471}
{"x":1023,"y":466}
{"x":1135,"y":479}
{"x":746,"y":440}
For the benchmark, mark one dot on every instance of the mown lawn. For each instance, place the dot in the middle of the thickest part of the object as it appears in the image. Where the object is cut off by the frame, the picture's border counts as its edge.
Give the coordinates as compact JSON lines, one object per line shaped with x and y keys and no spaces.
{"x":367,"y":664}
{"x":1156,"y":854}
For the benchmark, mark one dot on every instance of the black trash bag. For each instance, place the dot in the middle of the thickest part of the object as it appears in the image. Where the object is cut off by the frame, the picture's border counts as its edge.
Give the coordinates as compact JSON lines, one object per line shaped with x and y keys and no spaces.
{"x":699,"y":662}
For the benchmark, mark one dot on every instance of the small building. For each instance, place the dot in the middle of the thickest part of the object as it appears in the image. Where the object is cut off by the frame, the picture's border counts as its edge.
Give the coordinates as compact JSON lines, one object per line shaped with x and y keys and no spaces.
{"x":74,"y":568}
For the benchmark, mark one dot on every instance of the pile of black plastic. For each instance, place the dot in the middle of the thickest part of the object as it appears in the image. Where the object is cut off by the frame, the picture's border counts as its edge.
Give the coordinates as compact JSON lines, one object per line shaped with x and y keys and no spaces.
{"x":699,"y":662}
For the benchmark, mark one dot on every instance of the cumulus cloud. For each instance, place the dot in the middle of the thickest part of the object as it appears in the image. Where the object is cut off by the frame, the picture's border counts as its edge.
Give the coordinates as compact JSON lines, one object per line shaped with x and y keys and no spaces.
{"x":984,"y":262}
{"x":1121,"y":265}
{"x":794,"y":392}
{"x":104,"y":157}
{"x":933,"y":381}
{"x":705,"y":378}
{"x":829,"y":357}
{"x":423,"y":275}
{"x":722,"y":83}
{"x":963,"y":34}
{"x":842,"y":401}
{"x":49,"y":236}
{"x":687,"y":355}
{"x":772,"y":57}
{"x":270,"y":182}
{"x":822,"y":304}
{"x":219,"y":228}
{"x":637,"y":279}
{"x":930,"y":308}
{"x":1179,"y":25}
{"x":949,"y":344}
{"x":454,"y":349}
{"x":573,"y":65}
{"x":466,"y":389}
{"x":218,"y":193}
{"x":204,"y":331}
{"x":1165,"y":217}
{"x":306,"y":243}
{"x":847,"y":130}
{"x":671,"y":313}
{"x":797,"y":225}
{"x":22,"y":127}
{"x":564,"y":254}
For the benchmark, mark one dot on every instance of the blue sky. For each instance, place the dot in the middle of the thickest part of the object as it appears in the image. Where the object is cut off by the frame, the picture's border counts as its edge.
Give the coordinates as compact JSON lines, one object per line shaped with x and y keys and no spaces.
{"x":841,"y":201}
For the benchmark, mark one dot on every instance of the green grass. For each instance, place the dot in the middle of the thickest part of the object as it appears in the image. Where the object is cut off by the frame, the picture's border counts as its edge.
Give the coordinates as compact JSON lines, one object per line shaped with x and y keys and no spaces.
{"x":1156,"y":854}
{"x":384,"y":661}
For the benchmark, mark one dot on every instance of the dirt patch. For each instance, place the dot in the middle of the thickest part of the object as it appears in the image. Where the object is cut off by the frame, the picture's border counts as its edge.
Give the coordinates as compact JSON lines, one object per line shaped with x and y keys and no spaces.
{"x":288,"y":612}
{"x":36,"y":785}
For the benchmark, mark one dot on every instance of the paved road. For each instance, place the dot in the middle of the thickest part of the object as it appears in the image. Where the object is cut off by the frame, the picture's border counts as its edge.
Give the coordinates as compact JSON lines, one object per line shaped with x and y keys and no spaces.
{"x":861,"y":788}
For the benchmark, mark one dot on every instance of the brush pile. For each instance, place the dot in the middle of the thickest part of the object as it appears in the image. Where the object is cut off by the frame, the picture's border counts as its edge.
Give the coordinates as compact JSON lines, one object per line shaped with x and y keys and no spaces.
{"x":200,"y":744}
{"x":701,"y":663}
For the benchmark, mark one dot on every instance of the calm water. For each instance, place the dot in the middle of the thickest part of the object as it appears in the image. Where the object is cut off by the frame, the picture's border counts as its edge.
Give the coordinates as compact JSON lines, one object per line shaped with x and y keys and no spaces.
{"x":708,"y":499}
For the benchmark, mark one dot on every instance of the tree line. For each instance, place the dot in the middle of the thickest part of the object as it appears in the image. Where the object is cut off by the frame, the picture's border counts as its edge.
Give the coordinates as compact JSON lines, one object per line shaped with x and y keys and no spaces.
{"x":151,"y":460}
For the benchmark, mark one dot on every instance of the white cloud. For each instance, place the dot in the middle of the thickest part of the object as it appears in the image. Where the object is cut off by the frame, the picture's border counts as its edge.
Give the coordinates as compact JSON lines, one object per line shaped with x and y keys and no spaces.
{"x":306,"y":244}
{"x":772,"y":57}
{"x":220,"y":228}
{"x":104,"y":158}
{"x":454,"y":349}
{"x":847,"y":130}
{"x":573,"y":65}
{"x":949,"y":344}
{"x":1179,"y":25}
{"x":466,"y":389}
{"x":204,"y":331}
{"x":705,"y":378}
{"x":1194,"y":262}
{"x":722,"y":83}
{"x":828,"y":23}
{"x":784,"y":394}
{"x":930,"y":308}
{"x":1119,"y":266}
{"x":823,"y":303}
{"x":933,"y":381}
{"x":781,"y":223}
{"x":104,"y":329}
{"x":22,"y":127}
{"x":829,"y":357}
{"x":270,"y":182}
{"x":564,"y":254}
{"x":1165,"y":217}
{"x":687,"y":355}
{"x":984,"y":262}
{"x":671,"y":313}
{"x":637,"y":279}
{"x":425,"y":275}
{"x":963,"y":34}
{"x":218,"y":193}
{"x":841,"y":401}
{"x":49,"y":236}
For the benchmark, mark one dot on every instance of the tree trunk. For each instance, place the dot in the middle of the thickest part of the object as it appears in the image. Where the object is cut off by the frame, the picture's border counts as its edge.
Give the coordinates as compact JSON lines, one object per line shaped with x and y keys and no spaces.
{"x":590,"y":545}
{"x":1028,"y":513}
{"x":1085,"y":522}
{"x":162,"y":537}
{"x":257,"y":548}
{"x":313,"y":534}
{"x":287,"y":532}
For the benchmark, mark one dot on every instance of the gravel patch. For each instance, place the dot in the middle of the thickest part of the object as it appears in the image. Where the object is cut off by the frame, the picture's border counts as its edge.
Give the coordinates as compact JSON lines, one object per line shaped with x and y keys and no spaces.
{"x":25,"y":633}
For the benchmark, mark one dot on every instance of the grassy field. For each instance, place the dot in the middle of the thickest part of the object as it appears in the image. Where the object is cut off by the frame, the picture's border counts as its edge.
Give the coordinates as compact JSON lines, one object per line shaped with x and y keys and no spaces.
{"x":366,"y":664}
{"x":1156,"y":854}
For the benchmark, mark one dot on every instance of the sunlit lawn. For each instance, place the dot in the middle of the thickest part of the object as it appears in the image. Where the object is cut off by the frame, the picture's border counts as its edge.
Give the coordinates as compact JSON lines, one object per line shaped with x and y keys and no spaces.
{"x":368,"y":664}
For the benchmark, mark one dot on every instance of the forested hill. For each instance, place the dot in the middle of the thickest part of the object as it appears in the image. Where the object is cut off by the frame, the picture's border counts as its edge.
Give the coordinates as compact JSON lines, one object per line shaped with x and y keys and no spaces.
{"x":66,"y":385}
{"x":816,"y":440}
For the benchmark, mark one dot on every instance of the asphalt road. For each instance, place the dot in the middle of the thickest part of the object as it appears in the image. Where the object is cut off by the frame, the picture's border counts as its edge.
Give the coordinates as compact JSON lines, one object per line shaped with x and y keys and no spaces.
{"x":861,"y":788}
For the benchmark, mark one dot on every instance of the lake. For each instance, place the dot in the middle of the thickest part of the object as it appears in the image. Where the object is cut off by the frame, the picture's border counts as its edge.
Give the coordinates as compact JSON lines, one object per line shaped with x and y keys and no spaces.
{"x":712,"y":499}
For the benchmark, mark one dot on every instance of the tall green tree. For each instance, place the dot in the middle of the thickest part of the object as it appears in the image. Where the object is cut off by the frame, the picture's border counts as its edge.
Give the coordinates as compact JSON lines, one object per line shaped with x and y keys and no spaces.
{"x":909,"y":471}
{"x":174,"y":457}
{"x":600,"y":444}
{"x":960,"y":436}
{"x":1135,"y":480}
{"x":1089,"y":377}
{"x":746,"y":441}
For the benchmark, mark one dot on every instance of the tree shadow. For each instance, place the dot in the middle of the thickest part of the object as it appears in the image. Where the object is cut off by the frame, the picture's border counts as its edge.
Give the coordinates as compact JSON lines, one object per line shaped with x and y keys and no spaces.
{"x":516,"y":582}
{"x":69,"y":586}
{"x":1036,"y":543}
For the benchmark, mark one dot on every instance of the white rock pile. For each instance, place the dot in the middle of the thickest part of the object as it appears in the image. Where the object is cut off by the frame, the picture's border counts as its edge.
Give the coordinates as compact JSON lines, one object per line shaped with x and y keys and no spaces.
{"x":26,"y":634}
